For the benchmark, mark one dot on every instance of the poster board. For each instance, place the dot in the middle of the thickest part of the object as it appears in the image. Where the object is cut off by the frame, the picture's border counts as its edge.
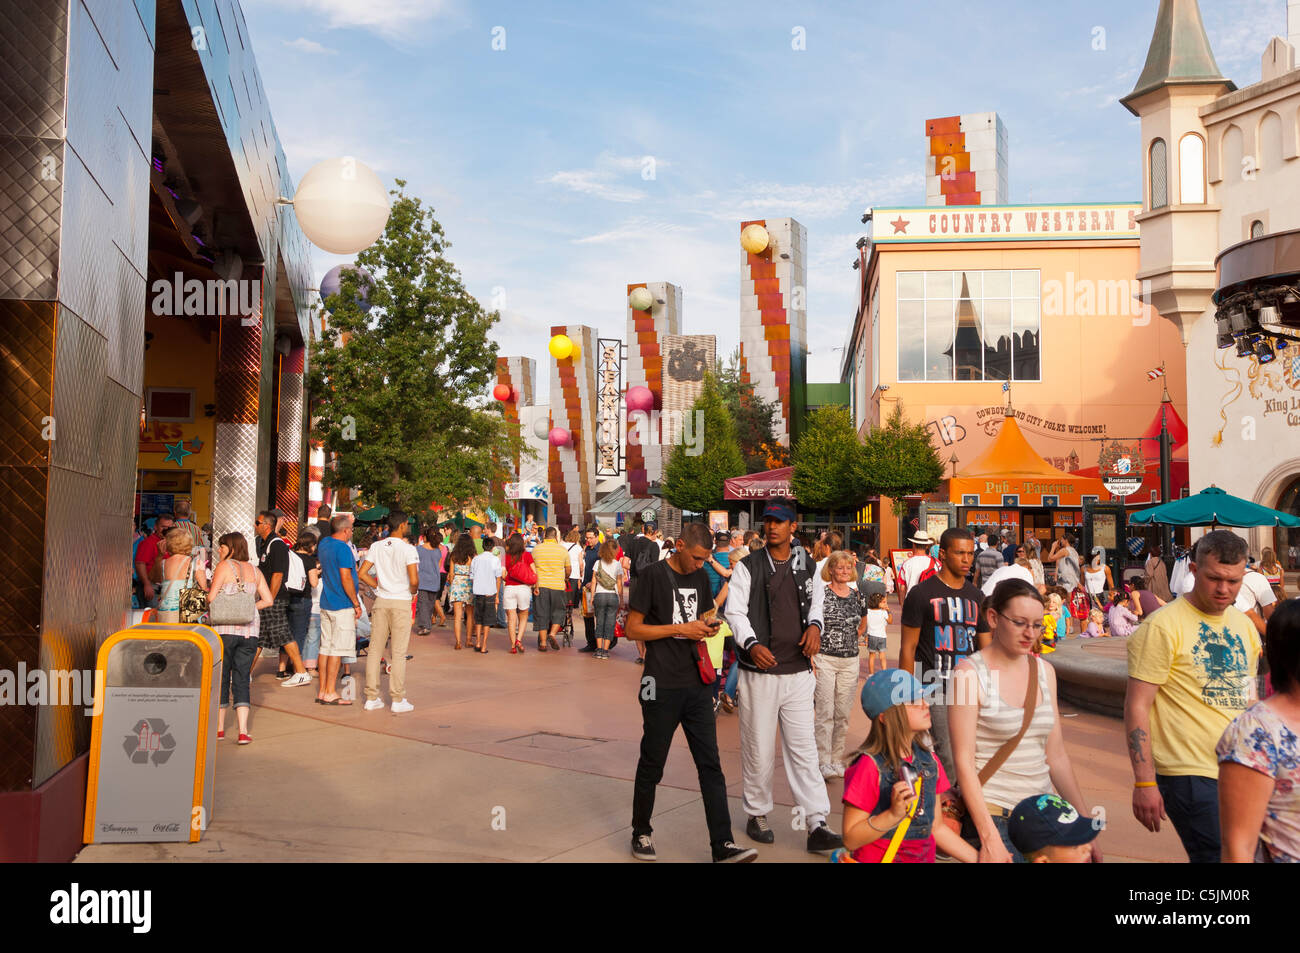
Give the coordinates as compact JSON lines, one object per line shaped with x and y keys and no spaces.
{"x":896,"y":559}
{"x":718,"y":521}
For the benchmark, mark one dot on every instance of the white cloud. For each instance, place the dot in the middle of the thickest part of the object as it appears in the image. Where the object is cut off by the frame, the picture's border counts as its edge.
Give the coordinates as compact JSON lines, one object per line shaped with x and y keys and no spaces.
{"x":304,"y":45}
{"x":394,"y":20}
{"x":595,"y":183}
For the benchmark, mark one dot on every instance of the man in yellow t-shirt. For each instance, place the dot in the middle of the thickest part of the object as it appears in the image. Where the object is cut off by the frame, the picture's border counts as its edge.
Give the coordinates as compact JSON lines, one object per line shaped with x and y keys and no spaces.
{"x":551,"y":561}
{"x":1191,"y":668}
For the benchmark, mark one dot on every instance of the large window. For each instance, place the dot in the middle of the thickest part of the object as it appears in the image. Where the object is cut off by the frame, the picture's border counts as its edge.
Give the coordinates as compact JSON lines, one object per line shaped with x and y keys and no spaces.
{"x":968,"y":325}
{"x":1159,"y":174}
{"x":1191,"y":169}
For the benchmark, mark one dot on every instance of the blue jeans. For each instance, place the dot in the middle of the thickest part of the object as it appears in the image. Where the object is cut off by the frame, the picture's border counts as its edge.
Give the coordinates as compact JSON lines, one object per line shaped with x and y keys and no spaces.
{"x":606,"y":606}
{"x":501,"y":608}
{"x":733,"y":680}
{"x":971,"y":836}
{"x":236,"y":664}
{"x":298,"y":614}
{"x":1192,"y":804}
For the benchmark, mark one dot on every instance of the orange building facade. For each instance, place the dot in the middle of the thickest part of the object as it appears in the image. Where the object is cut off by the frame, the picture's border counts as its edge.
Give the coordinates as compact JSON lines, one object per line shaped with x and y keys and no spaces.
{"x":963,"y":311}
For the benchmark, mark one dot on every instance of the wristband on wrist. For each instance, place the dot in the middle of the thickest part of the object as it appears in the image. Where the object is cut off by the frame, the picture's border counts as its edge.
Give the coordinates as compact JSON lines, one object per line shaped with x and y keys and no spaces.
{"x":1144,"y":784}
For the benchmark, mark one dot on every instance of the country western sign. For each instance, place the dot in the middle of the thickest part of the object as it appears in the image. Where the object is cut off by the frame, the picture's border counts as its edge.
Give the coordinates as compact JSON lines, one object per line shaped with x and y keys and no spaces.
{"x":1004,"y":223}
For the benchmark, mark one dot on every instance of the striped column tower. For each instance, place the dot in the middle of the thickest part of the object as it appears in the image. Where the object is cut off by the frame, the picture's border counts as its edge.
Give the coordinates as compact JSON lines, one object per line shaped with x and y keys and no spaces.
{"x":289,"y":440}
{"x":571,"y":470}
{"x":645,"y":335}
{"x":520,"y":375}
{"x":235,"y":445}
{"x":774,"y":320}
{"x":315,"y":477}
{"x":687,"y":358}
{"x":966,"y":160}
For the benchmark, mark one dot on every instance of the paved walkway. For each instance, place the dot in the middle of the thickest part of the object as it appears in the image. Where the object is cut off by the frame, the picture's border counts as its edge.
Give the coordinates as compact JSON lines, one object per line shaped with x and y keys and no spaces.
{"x":516,"y":758}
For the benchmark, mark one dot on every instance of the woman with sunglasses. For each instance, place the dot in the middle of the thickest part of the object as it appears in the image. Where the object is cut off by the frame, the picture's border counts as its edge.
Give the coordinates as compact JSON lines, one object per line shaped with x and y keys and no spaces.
{"x":986,"y":716}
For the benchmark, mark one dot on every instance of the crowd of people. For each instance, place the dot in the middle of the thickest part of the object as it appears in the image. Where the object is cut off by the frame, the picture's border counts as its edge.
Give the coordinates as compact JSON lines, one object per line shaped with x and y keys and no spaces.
{"x":964,"y":754}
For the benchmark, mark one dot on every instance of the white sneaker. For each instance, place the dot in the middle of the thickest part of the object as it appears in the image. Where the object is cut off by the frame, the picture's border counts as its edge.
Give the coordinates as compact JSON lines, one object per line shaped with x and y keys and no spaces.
{"x":302,"y":678}
{"x":402,"y":706}
{"x":374,"y":704}
{"x":827,"y":770}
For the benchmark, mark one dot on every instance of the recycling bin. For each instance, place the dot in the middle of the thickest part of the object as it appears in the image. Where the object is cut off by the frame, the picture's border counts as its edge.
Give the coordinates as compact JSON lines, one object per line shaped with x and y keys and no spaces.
{"x":154,"y":734}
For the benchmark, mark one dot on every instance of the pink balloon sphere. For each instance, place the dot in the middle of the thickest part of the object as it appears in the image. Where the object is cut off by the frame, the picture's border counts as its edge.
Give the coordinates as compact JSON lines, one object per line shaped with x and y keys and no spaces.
{"x":640,"y":398}
{"x":559,"y":437}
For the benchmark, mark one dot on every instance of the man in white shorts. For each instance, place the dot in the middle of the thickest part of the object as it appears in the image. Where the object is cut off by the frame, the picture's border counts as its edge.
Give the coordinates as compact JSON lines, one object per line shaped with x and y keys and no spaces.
{"x":340,"y":607}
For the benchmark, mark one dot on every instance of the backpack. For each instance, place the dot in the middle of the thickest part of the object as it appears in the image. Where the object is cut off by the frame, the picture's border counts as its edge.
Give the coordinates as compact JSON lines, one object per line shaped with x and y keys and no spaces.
{"x":931,"y":571}
{"x":647,"y":554}
{"x":297,"y":579}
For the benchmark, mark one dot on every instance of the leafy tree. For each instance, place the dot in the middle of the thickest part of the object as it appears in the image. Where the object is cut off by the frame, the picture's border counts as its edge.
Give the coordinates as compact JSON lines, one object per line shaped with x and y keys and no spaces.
{"x":400,"y":392}
{"x":695,"y":482}
{"x":899,"y":460}
{"x":753,"y":418}
{"x":828,"y":473}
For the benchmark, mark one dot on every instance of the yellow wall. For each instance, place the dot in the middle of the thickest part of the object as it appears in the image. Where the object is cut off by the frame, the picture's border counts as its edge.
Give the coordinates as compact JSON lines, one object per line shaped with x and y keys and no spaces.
{"x":180,"y":355}
{"x":1093,"y":367}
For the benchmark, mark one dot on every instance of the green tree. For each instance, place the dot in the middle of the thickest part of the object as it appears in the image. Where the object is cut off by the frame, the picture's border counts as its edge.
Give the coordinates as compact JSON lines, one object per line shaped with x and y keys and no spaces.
{"x":753,"y":418}
{"x":400,"y":393}
{"x":828,"y":472}
{"x":899,"y":460}
{"x":694,"y":480}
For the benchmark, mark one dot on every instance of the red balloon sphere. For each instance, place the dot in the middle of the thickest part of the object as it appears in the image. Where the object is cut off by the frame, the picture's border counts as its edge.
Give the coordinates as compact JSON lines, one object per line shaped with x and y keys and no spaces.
{"x":502,"y":392}
{"x":640,"y":399}
{"x":559,"y":437}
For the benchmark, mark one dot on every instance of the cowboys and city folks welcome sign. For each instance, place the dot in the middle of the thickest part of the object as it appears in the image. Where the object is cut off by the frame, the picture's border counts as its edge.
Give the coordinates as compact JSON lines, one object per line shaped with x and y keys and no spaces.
{"x":1004,"y":222}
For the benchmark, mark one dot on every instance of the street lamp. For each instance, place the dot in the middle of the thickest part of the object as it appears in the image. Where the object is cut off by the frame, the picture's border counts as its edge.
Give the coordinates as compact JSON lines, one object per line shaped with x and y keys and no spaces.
{"x":953,"y":461}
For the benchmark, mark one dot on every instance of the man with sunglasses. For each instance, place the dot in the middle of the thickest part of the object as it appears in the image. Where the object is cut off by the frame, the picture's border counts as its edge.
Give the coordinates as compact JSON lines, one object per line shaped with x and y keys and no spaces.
{"x":942,"y":624}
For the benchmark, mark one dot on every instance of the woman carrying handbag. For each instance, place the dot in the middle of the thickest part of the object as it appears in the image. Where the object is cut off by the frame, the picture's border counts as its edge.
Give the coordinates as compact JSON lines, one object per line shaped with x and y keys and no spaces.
{"x":238,"y":591}
{"x":1003,"y":752}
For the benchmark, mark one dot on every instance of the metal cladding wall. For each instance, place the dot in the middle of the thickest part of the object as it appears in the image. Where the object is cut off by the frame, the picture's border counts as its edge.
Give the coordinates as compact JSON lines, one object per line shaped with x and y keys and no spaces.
{"x":572,"y":469}
{"x":77,"y":105}
{"x":520,"y":375}
{"x":77,"y":87}
{"x":774,"y":321}
{"x":645,"y":362}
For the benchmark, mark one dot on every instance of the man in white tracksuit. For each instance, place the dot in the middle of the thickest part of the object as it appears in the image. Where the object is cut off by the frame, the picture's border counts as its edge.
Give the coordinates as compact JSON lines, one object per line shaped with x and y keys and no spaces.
{"x":775,"y":615}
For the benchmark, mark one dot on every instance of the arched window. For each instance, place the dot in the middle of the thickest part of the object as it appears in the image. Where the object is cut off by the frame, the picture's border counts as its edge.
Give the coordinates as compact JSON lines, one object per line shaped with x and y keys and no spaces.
{"x":1270,"y":142}
{"x":1159,"y":174}
{"x":1256,"y":228}
{"x":1191,"y":170}
{"x":1231,"y":155}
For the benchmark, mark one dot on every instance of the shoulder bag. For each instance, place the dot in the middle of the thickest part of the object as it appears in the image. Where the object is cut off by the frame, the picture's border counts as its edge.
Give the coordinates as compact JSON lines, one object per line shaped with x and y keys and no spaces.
{"x":193,"y":600}
{"x":234,"y":608}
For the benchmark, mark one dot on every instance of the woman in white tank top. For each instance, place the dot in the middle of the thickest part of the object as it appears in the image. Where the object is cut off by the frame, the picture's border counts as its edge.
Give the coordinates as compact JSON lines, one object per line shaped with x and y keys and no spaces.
{"x":987,"y":710}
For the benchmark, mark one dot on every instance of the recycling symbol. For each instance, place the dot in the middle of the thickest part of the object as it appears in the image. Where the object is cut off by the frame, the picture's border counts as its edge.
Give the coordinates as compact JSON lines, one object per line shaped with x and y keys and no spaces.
{"x":150,"y":741}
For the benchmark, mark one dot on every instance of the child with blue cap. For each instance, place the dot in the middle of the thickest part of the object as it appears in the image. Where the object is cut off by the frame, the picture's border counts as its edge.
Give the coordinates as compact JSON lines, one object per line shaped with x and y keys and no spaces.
{"x":885,"y":820}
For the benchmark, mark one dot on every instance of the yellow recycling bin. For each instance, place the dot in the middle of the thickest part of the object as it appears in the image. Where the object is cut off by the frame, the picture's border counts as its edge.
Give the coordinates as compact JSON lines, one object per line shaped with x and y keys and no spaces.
{"x":154,"y":734}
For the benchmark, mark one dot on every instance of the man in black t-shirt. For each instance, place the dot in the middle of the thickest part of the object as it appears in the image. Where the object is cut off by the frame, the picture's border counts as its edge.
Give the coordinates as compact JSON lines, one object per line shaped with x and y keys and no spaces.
{"x":666,"y":612}
{"x":942,"y":624}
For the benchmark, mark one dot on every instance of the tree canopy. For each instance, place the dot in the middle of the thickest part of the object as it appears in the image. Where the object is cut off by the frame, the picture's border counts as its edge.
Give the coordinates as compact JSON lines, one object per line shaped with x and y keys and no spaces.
{"x":828,"y":472}
{"x":694,"y":481}
{"x":400,"y":392}
{"x":898,"y":460}
{"x":753,"y":419}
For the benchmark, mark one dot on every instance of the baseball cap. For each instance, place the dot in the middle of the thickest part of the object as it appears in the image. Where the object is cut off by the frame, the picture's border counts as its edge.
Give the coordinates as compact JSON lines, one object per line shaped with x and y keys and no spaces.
{"x":1048,"y":820}
{"x":778,"y":510}
{"x":890,"y":687}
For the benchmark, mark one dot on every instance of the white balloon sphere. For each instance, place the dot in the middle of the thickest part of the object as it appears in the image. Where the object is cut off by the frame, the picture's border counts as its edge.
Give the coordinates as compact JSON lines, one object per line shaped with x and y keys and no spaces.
{"x":341,"y":206}
{"x":641,"y":299}
{"x":542,"y":427}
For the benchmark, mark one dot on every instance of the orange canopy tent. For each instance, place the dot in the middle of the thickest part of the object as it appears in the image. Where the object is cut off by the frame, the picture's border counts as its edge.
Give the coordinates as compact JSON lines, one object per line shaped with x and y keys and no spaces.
{"x":1149,"y":442}
{"x":1011,"y":467}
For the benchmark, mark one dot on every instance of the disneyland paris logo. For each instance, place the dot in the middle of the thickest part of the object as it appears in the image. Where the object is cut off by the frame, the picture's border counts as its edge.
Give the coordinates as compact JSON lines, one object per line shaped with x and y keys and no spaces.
{"x":75,"y":906}
{"x":56,"y":687}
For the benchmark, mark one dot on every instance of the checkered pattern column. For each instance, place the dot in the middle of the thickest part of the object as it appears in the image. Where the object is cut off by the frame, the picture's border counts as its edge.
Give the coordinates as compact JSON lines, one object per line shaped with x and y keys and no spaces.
{"x":774,"y":318}
{"x":645,"y":333}
{"x":239,"y":373}
{"x":289,"y":441}
{"x":571,"y":470}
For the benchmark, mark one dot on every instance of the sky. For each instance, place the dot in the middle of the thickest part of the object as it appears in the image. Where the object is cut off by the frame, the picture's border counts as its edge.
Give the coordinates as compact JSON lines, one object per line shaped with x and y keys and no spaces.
{"x":569,"y":149}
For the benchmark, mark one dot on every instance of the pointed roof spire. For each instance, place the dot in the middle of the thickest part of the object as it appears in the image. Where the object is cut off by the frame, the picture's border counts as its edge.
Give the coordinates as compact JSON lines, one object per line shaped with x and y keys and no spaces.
{"x":1179,"y":54}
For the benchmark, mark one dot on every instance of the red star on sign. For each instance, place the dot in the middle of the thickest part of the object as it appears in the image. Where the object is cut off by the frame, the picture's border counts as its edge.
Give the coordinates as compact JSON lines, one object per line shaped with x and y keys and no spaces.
{"x":900,"y":225}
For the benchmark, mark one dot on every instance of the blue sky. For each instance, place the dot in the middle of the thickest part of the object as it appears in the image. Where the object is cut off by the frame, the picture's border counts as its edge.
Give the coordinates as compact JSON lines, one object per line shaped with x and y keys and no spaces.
{"x":532,"y":156}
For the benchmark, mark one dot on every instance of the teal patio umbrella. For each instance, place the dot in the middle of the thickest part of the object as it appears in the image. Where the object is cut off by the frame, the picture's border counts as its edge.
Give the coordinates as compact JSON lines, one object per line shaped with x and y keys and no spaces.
{"x":372,"y":515}
{"x":1213,"y":507}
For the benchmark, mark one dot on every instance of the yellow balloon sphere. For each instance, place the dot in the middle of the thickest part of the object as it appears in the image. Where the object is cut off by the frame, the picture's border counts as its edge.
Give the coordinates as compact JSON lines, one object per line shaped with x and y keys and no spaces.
{"x":562,"y":346}
{"x":754,"y":239}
